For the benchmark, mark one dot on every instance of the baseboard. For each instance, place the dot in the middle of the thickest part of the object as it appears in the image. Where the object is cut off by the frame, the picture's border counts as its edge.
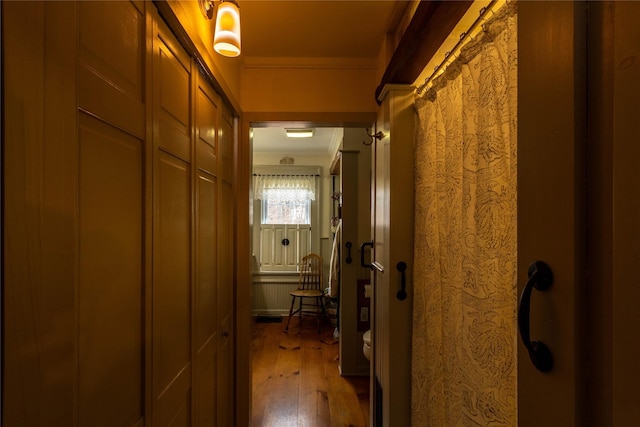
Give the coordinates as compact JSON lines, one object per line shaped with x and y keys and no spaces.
{"x":269,"y":312}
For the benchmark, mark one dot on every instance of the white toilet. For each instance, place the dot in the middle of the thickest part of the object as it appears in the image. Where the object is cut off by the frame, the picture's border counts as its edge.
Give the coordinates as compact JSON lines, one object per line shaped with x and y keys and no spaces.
{"x":366,"y":344}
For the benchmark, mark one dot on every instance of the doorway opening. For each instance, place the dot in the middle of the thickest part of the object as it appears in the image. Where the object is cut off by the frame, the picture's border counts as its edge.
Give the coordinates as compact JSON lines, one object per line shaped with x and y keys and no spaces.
{"x":298,"y":376}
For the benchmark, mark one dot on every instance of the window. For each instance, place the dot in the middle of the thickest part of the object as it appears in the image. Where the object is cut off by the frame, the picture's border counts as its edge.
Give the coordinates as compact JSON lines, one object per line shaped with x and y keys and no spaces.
{"x":286,"y":204}
{"x":282,"y":211}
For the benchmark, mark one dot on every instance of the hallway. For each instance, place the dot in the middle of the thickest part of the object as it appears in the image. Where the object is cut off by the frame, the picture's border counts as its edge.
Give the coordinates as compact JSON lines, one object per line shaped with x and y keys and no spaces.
{"x":296,"y":381}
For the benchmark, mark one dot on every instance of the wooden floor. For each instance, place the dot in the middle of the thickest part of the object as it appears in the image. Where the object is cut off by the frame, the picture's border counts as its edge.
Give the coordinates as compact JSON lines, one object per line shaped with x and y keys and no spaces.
{"x":296,"y":381}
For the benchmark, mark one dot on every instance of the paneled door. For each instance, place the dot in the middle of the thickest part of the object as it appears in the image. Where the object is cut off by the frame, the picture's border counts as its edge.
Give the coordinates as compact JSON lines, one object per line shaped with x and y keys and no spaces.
{"x":117,"y":179}
{"x":75,"y":147}
{"x":619,"y":362}
{"x":205,"y":313}
{"x":551,"y":208}
{"x":578,"y":209}
{"x":226,"y":281}
{"x":392,"y":258}
{"x":172,"y":224}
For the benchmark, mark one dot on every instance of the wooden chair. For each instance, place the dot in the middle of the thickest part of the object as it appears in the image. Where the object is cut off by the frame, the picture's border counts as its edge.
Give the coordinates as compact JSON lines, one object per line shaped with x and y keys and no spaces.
{"x":310,"y":286}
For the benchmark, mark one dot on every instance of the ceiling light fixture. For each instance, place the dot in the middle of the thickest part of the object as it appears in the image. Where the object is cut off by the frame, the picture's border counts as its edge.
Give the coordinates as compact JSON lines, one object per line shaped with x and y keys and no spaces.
{"x":226,"y":38}
{"x":299,"y":133}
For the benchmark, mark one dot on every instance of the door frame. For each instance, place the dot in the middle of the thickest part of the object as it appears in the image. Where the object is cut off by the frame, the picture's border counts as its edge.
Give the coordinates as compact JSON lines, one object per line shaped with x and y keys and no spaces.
{"x":551,"y":206}
{"x":392,"y":225}
{"x":243,"y":179}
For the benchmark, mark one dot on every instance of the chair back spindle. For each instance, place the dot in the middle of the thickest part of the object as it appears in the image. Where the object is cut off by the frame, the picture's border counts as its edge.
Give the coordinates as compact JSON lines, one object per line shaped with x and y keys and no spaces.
{"x":311,"y":273}
{"x":311,"y":287}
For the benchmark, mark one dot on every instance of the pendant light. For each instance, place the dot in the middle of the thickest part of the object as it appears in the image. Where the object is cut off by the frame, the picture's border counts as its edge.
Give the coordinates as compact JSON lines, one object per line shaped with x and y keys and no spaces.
{"x":226,"y":39}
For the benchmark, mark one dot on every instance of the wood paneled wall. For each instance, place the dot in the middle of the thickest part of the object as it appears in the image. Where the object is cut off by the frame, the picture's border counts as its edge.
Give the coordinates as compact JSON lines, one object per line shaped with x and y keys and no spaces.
{"x":118,"y":232}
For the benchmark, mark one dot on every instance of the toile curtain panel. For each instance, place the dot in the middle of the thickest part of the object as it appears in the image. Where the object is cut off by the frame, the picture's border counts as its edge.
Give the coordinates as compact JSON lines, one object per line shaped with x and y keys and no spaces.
{"x":465,"y":297}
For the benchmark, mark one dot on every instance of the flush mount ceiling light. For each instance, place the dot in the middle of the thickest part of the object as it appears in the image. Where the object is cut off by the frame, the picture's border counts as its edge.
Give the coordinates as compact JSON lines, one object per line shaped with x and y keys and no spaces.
{"x":226,"y":38}
{"x":299,"y":133}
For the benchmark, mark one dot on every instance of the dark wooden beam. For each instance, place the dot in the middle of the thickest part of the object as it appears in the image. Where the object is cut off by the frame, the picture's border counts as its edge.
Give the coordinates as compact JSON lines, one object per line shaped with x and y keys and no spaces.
{"x":432,"y":22}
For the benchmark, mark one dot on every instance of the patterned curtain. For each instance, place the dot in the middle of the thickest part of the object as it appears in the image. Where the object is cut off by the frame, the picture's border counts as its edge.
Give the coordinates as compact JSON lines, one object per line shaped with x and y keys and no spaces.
{"x":464,"y":324}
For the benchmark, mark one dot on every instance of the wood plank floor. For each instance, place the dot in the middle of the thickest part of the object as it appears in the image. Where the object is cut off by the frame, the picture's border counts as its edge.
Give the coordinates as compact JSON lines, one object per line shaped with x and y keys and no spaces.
{"x":296,"y":381}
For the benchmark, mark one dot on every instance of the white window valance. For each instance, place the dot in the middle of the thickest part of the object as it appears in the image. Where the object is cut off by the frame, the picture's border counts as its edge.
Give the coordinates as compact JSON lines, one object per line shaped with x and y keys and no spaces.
{"x":277,"y":188}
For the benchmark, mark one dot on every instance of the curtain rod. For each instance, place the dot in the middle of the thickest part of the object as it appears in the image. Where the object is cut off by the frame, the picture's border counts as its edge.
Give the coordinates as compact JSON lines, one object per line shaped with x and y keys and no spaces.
{"x":463,"y":37}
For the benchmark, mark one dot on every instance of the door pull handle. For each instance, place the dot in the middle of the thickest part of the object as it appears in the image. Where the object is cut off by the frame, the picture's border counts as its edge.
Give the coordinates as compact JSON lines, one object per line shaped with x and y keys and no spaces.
{"x":362,"y":246}
{"x":402,"y":293}
{"x":349,"y":259}
{"x":374,"y":265}
{"x":540,"y":277}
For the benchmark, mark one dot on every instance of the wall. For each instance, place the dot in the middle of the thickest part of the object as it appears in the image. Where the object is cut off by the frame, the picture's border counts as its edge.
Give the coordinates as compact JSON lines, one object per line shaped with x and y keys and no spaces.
{"x":309,"y":85}
{"x":270,"y":291}
{"x":355,"y":185}
{"x":119,"y":158}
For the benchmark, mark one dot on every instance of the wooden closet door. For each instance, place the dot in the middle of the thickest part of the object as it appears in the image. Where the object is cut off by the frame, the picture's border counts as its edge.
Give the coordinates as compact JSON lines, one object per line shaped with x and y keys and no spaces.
{"x":111,"y":141}
{"x":114,"y":312}
{"x":225,"y":293}
{"x":172,"y":227}
{"x":206,"y":310}
{"x":75,"y":144}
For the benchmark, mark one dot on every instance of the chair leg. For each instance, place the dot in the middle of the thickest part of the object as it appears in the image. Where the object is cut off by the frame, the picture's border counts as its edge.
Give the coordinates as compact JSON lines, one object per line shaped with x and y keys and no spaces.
{"x":293,"y":300}
{"x":300,"y":310}
{"x":318,"y":312}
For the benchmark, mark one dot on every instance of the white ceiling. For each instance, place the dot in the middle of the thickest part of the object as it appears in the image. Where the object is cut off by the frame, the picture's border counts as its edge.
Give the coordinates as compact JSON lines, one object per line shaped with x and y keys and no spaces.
{"x":273,"y":140}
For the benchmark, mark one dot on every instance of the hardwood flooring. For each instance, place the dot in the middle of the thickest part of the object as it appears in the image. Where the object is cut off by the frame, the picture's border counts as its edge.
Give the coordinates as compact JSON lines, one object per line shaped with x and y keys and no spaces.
{"x":296,"y":381}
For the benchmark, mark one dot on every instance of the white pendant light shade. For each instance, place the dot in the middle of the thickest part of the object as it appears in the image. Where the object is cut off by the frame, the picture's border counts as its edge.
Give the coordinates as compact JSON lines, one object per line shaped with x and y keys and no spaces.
{"x":226,"y":40}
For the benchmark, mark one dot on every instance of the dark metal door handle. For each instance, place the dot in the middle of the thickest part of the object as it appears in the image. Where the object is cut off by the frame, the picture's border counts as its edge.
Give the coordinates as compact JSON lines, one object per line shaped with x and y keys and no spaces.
{"x":362,"y":246}
{"x":540,"y":277}
{"x":349,"y":259}
{"x":402,"y":293}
